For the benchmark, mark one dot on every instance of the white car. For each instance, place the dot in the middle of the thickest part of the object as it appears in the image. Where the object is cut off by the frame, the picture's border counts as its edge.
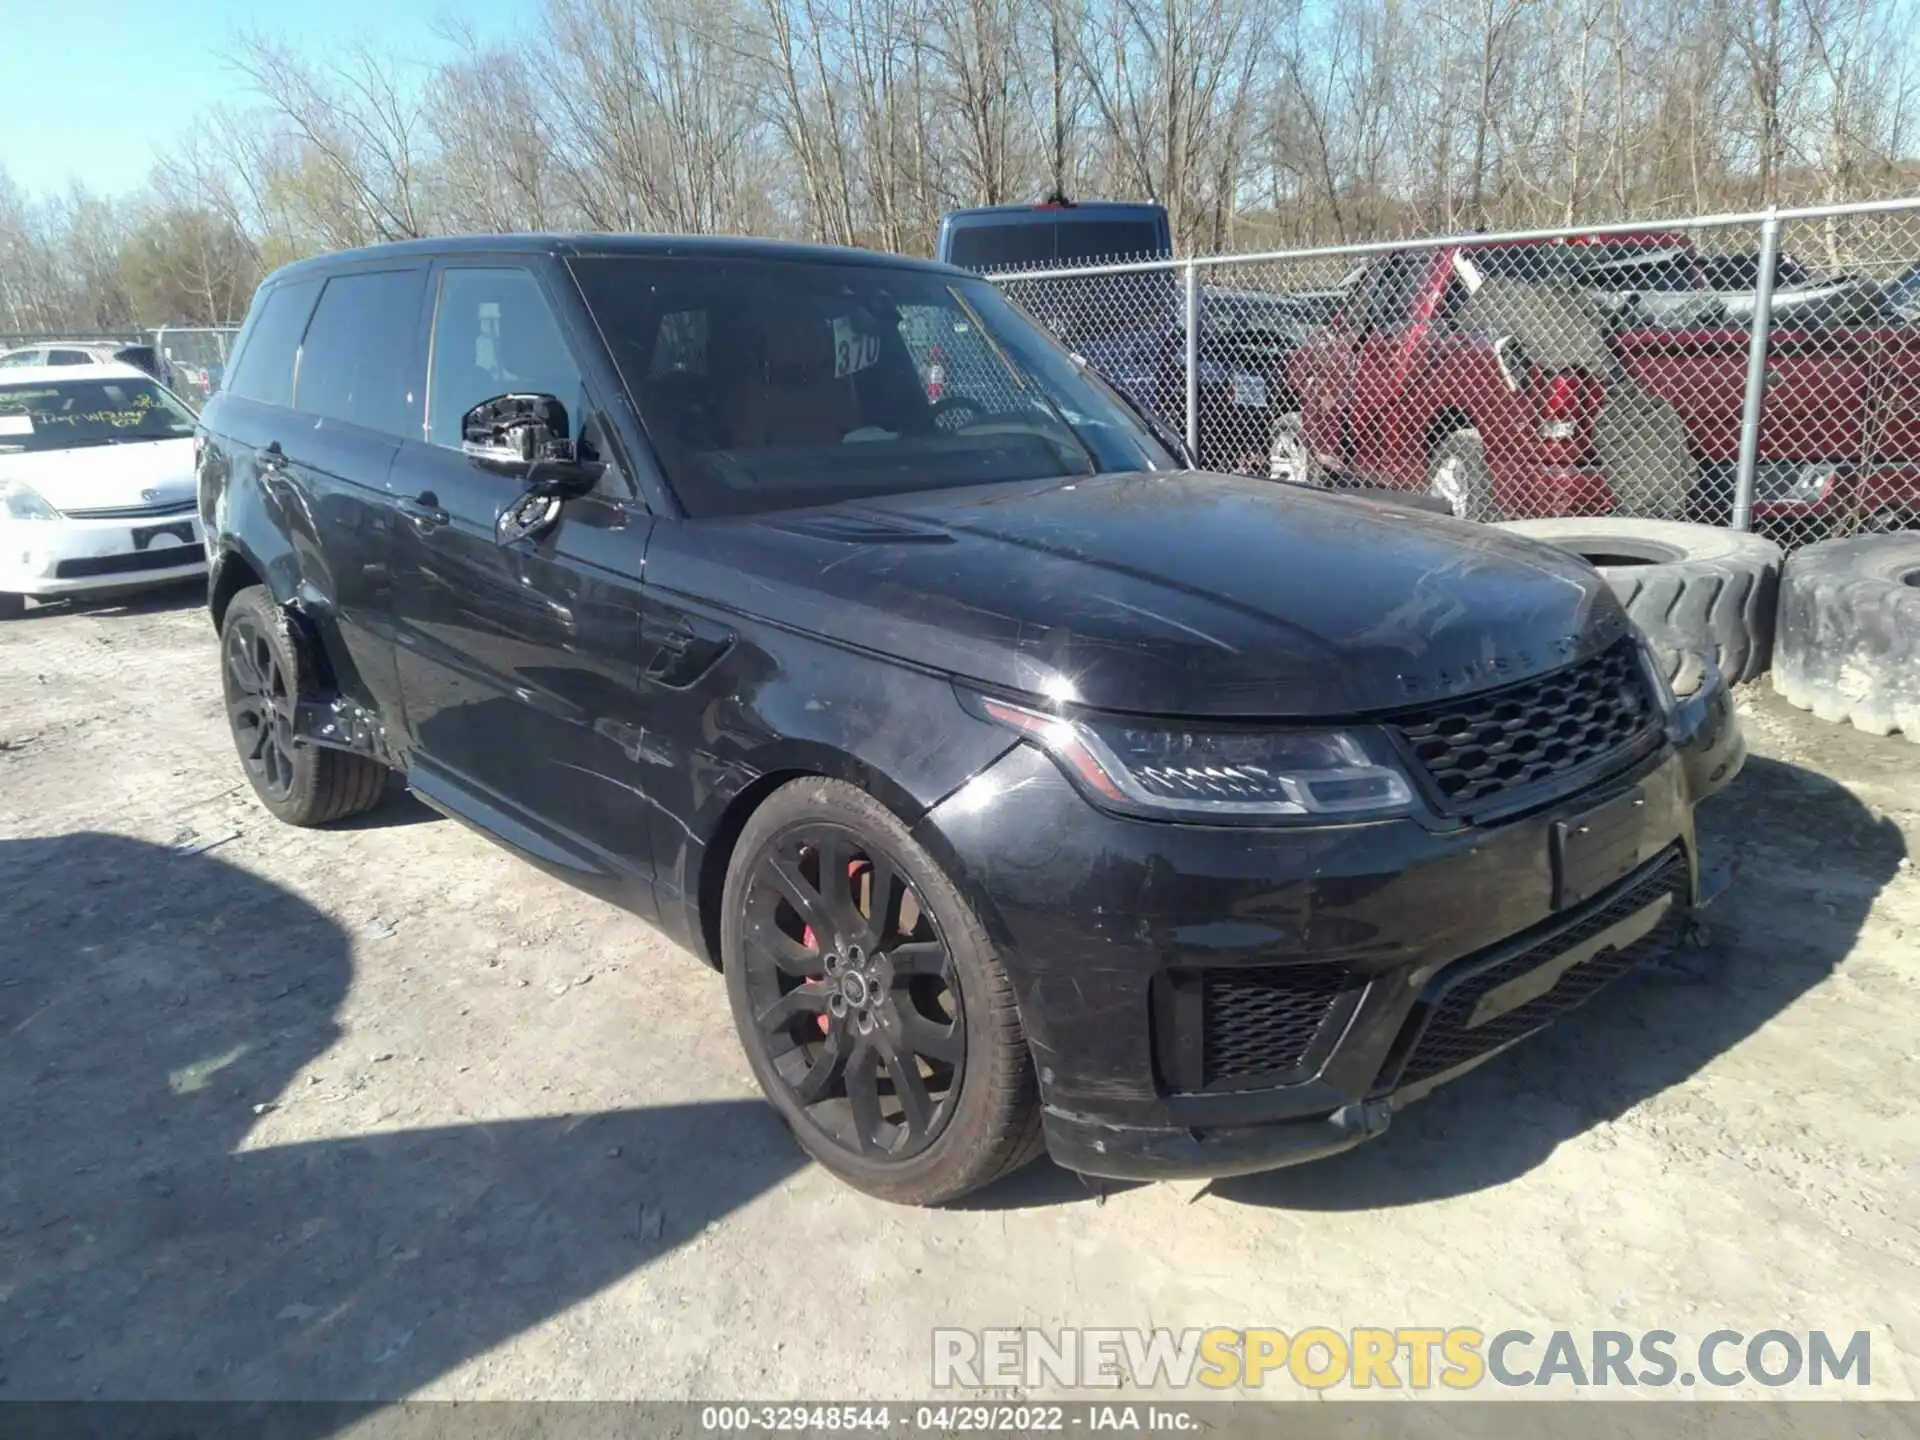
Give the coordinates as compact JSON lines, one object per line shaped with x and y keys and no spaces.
{"x":97,"y":487}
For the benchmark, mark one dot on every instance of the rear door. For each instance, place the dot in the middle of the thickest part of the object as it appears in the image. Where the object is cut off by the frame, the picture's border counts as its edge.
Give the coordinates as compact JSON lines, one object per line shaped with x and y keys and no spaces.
{"x":520,"y":661}
{"x":356,"y":393}
{"x":306,"y":491}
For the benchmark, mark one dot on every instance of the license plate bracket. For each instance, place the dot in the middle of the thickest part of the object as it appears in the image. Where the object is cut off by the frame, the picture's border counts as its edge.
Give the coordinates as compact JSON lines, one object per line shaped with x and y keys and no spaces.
{"x":1595,"y":848}
{"x":181,"y":530}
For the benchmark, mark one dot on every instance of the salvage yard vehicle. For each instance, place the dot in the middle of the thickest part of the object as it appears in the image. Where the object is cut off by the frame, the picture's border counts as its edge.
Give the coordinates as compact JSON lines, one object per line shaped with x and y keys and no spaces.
{"x":1530,"y":379}
{"x":1054,"y":232}
{"x":1031,"y":791}
{"x":96,"y":484}
{"x":141,"y":356}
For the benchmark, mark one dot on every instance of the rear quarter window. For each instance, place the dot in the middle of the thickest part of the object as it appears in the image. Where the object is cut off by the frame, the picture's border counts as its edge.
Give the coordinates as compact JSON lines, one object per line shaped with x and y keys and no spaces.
{"x":263,"y":370}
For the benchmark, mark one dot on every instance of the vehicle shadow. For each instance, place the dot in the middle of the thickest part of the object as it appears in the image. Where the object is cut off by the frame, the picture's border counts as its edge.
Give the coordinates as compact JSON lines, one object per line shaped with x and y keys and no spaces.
{"x":1813,"y":859}
{"x":398,"y":808}
{"x":158,"y":1005}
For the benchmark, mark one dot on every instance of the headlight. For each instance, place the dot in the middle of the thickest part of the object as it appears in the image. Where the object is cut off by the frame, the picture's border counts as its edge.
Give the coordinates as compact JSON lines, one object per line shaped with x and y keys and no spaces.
{"x":1170,"y":771}
{"x":1791,"y":483}
{"x":19,"y":501}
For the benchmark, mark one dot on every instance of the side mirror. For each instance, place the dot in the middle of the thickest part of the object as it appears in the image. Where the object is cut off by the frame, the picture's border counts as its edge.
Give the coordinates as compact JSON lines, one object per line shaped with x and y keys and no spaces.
{"x":526,"y":437}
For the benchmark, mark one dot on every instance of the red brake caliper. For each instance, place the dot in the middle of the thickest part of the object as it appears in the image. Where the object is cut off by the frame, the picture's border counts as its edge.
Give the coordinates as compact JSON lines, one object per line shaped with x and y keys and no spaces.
{"x":854,"y":871}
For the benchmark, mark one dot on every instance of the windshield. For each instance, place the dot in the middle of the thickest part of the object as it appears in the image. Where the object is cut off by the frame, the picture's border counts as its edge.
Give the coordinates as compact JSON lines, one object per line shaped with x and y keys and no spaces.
{"x":1019,"y":241}
{"x":69,"y":414}
{"x":771,"y":385}
{"x":1615,"y":267}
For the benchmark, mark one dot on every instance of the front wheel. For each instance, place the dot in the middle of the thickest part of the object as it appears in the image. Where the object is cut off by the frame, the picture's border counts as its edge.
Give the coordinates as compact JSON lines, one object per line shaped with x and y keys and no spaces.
{"x":1457,"y":473}
{"x":12,"y":607}
{"x":1289,"y":458}
{"x":873,"y":1010}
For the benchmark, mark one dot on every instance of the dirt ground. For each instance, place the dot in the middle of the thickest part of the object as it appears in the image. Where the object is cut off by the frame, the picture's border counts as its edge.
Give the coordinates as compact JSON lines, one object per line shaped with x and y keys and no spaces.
{"x":378,"y":1111}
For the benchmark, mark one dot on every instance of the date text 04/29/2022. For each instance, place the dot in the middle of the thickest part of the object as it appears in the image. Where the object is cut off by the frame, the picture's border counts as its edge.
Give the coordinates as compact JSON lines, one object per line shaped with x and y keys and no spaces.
{"x":947,"y":1419}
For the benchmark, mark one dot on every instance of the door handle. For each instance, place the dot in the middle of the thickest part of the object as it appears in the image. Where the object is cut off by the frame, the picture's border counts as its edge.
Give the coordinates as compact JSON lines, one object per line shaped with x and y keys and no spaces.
{"x":425,"y":511}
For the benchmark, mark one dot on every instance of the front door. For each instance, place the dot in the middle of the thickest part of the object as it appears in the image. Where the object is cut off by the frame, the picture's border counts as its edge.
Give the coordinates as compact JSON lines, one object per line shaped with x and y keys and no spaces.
{"x":519,"y":662}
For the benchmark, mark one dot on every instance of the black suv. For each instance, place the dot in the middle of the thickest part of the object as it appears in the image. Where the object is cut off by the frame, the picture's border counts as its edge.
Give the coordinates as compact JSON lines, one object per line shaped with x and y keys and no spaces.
{"x":1030,"y":788}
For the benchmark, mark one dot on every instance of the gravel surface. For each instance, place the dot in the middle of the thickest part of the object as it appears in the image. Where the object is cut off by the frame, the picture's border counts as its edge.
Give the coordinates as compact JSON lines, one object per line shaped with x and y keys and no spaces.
{"x":378,"y":1110}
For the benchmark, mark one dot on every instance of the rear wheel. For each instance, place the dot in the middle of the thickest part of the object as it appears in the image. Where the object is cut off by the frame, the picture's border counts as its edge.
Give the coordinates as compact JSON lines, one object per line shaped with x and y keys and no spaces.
{"x":263,"y":677}
{"x":1457,"y":473}
{"x":12,"y":607}
{"x":871,"y":1005}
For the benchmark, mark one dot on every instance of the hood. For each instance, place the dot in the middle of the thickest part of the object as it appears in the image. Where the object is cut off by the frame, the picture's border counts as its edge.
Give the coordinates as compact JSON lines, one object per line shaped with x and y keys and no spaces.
{"x":1171,"y":594}
{"x":102,"y":477}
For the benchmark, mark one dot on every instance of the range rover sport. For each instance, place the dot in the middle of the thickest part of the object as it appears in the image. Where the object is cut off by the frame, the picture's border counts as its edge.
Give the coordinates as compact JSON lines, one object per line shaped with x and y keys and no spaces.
{"x":1032,"y":790}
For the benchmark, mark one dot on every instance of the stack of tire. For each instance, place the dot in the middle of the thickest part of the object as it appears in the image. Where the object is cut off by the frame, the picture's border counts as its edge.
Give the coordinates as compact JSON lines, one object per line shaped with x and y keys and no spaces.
{"x":1849,"y":640}
{"x":1693,"y":589}
{"x":1838,"y":622}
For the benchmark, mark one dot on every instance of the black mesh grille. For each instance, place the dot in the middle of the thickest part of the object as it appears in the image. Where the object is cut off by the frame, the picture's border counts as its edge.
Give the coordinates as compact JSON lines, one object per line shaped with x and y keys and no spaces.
{"x":1263,"y":1022}
{"x":1481,"y":745}
{"x":1445,"y":1042}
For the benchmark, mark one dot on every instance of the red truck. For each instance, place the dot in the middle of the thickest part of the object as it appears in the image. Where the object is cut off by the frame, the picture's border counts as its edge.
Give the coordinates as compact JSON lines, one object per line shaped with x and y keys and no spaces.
{"x":1580,"y":377}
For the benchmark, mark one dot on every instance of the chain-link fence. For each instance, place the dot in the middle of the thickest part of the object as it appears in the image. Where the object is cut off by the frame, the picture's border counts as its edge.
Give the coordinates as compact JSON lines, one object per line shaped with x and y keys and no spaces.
{"x":196,"y":357}
{"x":1760,"y":371}
{"x":188,"y":359}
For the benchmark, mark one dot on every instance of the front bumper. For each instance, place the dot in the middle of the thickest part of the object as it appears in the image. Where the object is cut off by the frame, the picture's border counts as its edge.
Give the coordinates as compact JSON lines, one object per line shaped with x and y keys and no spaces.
{"x":48,"y":558}
{"x":1206,"y":1001}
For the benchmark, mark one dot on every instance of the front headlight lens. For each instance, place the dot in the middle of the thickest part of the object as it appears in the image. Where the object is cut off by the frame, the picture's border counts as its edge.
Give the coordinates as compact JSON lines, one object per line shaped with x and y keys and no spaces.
{"x":19,"y":501}
{"x":1181,"y":772}
{"x":1792,"y":483}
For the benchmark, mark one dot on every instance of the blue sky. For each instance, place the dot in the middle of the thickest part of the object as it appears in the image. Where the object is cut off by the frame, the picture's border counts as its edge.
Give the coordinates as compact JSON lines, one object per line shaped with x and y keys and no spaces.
{"x":89,"y":88}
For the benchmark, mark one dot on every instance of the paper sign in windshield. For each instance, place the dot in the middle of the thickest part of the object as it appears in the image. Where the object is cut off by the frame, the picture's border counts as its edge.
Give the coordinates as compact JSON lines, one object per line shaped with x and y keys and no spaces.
{"x":852,"y":351}
{"x":16,"y":424}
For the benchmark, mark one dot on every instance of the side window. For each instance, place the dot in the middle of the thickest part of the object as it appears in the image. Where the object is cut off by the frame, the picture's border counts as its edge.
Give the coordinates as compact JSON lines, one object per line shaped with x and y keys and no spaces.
{"x":494,"y":334}
{"x":21,"y":357}
{"x":354,"y":362}
{"x":68,"y":357}
{"x":264,"y":369}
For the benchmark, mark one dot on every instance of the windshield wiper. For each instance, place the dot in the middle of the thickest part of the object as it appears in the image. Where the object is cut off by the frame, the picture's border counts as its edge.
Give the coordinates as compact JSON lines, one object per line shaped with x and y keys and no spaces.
{"x":1022,"y":380}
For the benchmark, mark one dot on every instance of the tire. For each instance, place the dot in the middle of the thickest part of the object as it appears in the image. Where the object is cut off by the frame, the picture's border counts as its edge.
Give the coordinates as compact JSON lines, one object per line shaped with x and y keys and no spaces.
{"x":1849,"y":643}
{"x":12,"y":607}
{"x":986,"y":1121}
{"x":1457,"y":473}
{"x":1288,"y":456}
{"x":263,"y":675}
{"x":1690,"y":588}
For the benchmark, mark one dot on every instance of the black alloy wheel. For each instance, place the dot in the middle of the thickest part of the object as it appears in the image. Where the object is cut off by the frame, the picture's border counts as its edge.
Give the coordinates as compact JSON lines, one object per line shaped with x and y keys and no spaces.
{"x":260,"y":705}
{"x":872,"y":1004}
{"x":853,"y":991}
{"x":261,"y":671}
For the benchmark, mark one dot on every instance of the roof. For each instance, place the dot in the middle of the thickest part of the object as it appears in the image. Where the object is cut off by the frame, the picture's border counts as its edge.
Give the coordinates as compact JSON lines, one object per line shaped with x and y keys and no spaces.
{"x":706,"y":247}
{"x":43,"y":374}
{"x":1086,"y":209}
{"x":109,"y":345}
